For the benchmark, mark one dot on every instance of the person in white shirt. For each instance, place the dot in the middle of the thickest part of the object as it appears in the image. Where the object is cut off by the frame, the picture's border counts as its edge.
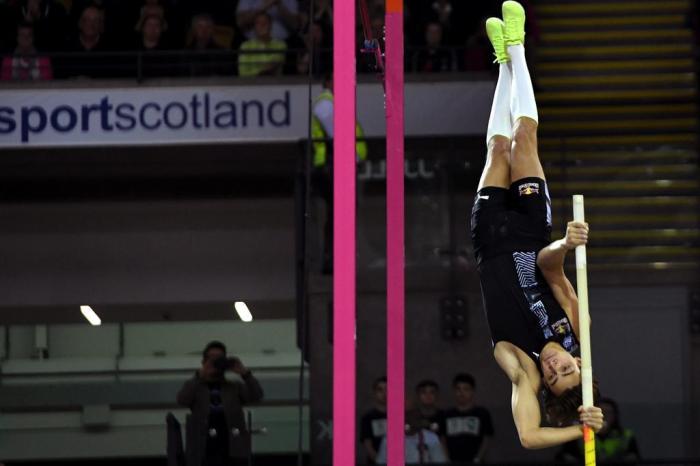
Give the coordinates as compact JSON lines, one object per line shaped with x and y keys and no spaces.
{"x":422,"y":445}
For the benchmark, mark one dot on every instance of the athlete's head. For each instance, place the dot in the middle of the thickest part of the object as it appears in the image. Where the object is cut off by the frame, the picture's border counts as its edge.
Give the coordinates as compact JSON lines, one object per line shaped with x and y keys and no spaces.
{"x":561,"y":382}
{"x":560,"y":370}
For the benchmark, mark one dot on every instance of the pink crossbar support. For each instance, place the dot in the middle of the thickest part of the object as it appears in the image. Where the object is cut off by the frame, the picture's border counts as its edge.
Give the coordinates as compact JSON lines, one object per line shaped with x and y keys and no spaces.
{"x":344,"y":233}
{"x":395,"y":231}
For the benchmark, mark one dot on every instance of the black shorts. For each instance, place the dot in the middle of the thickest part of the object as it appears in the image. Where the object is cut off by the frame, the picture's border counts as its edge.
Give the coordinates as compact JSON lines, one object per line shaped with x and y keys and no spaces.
{"x":508,"y":220}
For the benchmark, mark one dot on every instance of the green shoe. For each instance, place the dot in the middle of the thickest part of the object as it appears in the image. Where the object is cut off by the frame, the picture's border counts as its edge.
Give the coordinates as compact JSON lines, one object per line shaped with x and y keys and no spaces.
{"x":495,"y":31}
{"x":514,"y":20}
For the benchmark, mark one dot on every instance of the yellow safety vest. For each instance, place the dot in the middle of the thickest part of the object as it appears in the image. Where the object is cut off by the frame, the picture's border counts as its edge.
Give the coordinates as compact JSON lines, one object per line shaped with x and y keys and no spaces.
{"x":318,"y":133}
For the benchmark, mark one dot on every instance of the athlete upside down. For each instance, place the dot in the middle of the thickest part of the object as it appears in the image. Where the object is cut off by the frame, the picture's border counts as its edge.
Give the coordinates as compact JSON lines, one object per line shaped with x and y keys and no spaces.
{"x":531,"y":307}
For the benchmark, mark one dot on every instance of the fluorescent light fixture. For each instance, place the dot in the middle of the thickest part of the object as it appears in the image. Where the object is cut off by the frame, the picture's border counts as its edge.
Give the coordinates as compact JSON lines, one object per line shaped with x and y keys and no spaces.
{"x":90,"y":315}
{"x":243,"y":311}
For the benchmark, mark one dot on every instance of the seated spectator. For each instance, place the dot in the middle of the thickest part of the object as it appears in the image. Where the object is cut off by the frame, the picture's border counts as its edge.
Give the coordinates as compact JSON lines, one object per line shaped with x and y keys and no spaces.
{"x":434,"y":57}
{"x":467,"y":427}
{"x":25,"y":64}
{"x":150,"y":9}
{"x":49,"y":20}
{"x":478,"y":54}
{"x":323,"y":16}
{"x":373,"y":422}
{"x":151,"y":40}
{"x":90,"y":32}
{"x":426,"y":404}
{"x":262,"y":55}
{"x":422,"y":446}
{"x":318,"y":47}
{"x":613,"y":443}
{"x":151,"y":33}
{"x":88,"y":47}
{"x":202,"y":32}
{"x":284,"y":15}
{"x":302,"y":63}
{"x":206,"y":59}
{"x":118,"y":19}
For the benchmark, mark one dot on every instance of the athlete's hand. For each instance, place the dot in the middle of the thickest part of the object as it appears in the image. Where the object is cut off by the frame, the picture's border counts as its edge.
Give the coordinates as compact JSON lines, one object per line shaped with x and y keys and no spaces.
{"x":592,"y":417}
{"x":576,"y":235}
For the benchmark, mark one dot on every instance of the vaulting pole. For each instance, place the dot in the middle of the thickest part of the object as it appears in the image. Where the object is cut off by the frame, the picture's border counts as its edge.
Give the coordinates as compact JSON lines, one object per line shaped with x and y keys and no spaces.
{"x":344,"y":233}
{"x":584,"y":323}
{"x":395,"y":231}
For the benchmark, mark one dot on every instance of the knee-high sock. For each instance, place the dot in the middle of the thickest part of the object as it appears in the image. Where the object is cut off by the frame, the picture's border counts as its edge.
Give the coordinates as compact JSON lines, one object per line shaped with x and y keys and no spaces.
{"x":522,"y":102}
{"x":500,"y":123}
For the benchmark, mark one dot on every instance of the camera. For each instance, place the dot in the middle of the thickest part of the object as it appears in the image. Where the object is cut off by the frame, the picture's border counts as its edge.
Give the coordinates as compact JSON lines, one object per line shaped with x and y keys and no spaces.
{"x":221,"y":363}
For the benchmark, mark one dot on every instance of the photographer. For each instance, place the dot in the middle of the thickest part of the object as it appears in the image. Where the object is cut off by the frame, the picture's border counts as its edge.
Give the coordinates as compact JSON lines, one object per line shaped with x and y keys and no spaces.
{"x":217,"y":432}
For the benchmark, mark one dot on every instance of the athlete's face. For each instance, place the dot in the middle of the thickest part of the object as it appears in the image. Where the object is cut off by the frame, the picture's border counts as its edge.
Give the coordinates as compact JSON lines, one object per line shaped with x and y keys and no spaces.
{"x":560,"y":370}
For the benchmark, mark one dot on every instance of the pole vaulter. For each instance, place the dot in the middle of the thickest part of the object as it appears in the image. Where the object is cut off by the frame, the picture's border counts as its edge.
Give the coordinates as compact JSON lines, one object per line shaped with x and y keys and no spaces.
{"x":535,"y":317}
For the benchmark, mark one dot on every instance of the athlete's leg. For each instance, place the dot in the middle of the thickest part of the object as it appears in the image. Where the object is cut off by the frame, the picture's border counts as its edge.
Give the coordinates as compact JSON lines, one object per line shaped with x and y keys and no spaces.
{"x":498,"y":136}
{"x":525,"y":161}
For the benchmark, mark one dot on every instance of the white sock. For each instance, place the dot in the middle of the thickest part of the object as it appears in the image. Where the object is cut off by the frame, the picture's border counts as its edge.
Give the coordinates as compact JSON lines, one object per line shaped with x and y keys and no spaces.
{"x":499,"y":122}
{"x":522,"y":94}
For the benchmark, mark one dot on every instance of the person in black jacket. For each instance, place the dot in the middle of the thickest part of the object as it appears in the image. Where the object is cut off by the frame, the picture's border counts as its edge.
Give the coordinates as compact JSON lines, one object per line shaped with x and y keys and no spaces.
{"x":217,"y":432}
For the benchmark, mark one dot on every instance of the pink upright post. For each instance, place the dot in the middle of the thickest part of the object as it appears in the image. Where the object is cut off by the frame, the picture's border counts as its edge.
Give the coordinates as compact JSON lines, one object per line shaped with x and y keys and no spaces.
{"x":395,"y":231}
{"x":344,"y":233}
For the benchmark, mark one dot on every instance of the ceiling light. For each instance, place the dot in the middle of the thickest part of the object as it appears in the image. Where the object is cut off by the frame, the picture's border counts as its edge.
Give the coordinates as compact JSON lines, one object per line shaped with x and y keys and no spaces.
{"x":243,"y":311}
{"x":90,"y":315}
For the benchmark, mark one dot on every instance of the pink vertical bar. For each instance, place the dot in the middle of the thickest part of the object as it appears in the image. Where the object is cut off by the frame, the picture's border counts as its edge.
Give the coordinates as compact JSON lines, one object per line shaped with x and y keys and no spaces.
{"x":344,"y":233}
{"x":395,"y":232}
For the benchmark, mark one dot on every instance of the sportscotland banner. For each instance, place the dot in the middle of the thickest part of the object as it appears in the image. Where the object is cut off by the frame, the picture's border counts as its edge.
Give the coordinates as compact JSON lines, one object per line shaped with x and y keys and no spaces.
{"x":181,"y":115}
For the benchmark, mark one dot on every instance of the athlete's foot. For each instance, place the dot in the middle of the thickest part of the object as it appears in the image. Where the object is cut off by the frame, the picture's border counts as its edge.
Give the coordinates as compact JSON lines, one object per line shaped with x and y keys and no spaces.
{"x":514,"y":20}
{"x":495,"y":31}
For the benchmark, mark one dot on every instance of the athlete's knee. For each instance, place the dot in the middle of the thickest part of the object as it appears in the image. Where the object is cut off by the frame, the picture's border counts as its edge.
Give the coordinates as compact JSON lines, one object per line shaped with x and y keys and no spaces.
{"x":499,"y":148}
{"x":525,"y":132}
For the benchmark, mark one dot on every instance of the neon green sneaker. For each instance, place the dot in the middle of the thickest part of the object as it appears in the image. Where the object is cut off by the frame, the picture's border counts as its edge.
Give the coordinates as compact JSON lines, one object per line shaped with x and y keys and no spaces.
{"x":514,"y":20}
{"x":495,"y":31}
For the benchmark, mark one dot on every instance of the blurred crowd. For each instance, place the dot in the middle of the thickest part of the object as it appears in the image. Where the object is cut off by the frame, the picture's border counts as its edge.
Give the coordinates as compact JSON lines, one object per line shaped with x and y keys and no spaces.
{"x":45,"y":39}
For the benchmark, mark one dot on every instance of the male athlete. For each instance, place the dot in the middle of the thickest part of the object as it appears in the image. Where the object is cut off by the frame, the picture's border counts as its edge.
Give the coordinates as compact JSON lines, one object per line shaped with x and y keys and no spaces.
{"x":531,"y":307}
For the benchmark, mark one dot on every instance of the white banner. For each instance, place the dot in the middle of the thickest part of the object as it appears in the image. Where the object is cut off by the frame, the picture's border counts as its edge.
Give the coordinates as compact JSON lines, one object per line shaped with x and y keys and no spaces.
{"x":176,"y":115}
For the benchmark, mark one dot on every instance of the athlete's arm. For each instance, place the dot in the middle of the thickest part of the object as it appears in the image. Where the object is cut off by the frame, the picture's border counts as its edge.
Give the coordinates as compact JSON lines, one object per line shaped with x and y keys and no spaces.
{"x":526,"y":407}
{"x":550,"y":261}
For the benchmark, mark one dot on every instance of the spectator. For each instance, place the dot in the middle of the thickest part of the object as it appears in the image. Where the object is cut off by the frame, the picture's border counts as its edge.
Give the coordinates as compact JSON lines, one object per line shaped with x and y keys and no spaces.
{"x":151,"y":40}
{"x":467,"y":427}
{"x":373,"y":422}
{"x":90,"y":31}
{"x":149,"y":9}
{"x":262,"y":55}
{"x":49,"y":20}
{"x":323,"y":16}
{"x":422,"y":446}
{"x":613,"y":443}
{"x":219,"y":434}
{"x":202,"y":33}
{"x":89,"y":46}
{"x":302,"y":63}
{"x":284,"y":15}
{"x":317,"y":45}
{"x":151,"y":29}
{"x":427,"y":396}
{"x":435,"y":57}
{"x":477,"y":53}
{"x":206,"y":59}
{"x":25,"y":64}
{"x":118,"y":19}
